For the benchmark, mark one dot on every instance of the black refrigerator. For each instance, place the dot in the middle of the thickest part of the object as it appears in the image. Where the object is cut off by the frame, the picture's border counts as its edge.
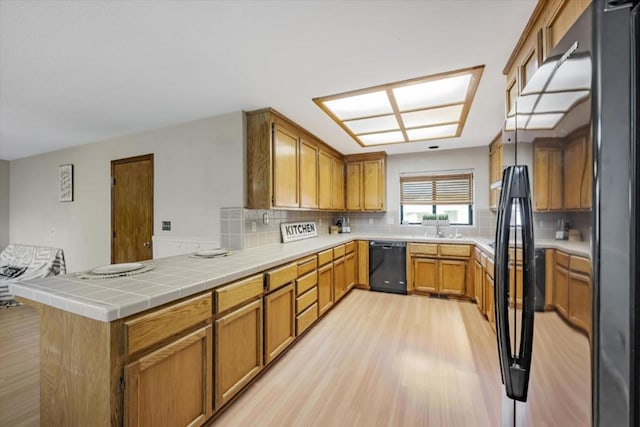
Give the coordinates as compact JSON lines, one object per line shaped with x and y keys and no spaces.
{"x":552,"y":374}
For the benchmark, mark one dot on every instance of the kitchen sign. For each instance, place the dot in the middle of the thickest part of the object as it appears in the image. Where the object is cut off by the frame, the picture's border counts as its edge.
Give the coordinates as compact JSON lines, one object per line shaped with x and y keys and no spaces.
{"x":292,"y":231}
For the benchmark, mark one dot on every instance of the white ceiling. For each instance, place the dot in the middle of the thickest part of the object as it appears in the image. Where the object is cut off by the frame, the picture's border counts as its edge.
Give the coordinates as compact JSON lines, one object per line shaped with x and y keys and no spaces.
{"x":75,"y":72}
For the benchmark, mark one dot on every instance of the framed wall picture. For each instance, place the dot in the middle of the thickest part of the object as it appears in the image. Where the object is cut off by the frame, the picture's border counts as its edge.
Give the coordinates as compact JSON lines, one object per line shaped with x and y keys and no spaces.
{"x":65,"y":179}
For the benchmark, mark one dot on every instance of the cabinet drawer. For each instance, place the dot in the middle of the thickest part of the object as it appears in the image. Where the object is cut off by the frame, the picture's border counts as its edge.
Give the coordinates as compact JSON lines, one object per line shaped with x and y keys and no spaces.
{"x":350,"y":247}
{"x":562,"y":259}
{"x":338,"y":251}
{"x":423,"y":248}
{"x":325,"y":257}
{"x":304,"y":301}
{"x":305,"y":283}
{"x":580,"y":264}
{"x":304,"y":320}
{"x":281,"y":276}
{"x":149,"y":329}
{"x":307,"y":264}
{"x":235,"y":294}
{"x":454,"y":250}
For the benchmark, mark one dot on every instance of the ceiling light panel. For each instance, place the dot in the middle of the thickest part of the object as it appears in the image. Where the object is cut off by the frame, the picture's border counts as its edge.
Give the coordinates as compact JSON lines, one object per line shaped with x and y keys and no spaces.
{"x":432,"y":116}
{"x":370,"y":104}
{"x":432,"y":93}
{"x":374,"y":124}
{"x":429,"y":107}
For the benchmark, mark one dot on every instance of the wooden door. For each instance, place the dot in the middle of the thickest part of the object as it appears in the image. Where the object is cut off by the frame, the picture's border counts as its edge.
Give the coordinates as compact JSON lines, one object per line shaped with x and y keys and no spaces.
{"x":325,"y":179}
{"x":338,"y":184}
{"x":325,"y":294}
{"x":308,"y":174}
{"x":453,"y":276}
{"x":354,"y":186}
{"x":478,"y":279}
{"x":350,"y":270}
{"x":580,"y":296}
{"x":131,"y":209}
{"x":339,"y":279}
{"x":561,"y":291}
{"x":555,"y":179}
{"x":541,"y":179}
{"x":363,"y":263}
{"x":172,"y":385}
{"x":373,"y":176}
{"x":425,"y":274}
{"x":574,"y":159}
{"x":285,"y":168}
{"x":279,"y":321}
{"x":238,"y":350}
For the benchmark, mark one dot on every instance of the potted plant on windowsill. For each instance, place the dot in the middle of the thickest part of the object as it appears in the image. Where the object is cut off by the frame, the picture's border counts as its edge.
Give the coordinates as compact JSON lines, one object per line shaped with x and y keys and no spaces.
{"x":443,"y":220}
{"x":430,"y":219}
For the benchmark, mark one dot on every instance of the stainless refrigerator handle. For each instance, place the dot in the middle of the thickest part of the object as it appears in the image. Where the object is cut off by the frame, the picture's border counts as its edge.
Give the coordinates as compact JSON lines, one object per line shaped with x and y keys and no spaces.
{"x":515,"y":367}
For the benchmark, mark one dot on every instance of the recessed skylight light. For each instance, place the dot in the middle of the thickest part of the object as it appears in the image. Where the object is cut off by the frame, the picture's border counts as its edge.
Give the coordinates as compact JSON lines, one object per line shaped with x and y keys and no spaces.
{"x":430,"y":107}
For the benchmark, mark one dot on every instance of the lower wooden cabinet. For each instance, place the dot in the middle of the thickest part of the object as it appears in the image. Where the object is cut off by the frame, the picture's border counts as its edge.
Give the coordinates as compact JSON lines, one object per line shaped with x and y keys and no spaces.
{"x":339,"y":279}
{"x":350,"y":270}
{"x":238,"y":350}
{"x":325,"y":288}
{"x":489,"y":298}
{"x":561,"y":291}
{"x":443,"y":276}
{"x":279,"y":321}
{"x":478,"y":282}
{"x":172,"y":386}
{"x":362,"y":280}
{"x":515,"y":278}
{"x":580,"y":296}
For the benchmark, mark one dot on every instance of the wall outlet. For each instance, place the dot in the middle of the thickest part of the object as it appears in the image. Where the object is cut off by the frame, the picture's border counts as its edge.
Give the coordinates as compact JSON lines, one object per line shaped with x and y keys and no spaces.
{"x":166,"y":225}
{"x":253,"y":226}
{"x":371,"y":221}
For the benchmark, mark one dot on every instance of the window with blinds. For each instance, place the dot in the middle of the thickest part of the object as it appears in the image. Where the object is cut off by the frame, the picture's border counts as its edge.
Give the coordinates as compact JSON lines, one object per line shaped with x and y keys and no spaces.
{"x":450,"y":194}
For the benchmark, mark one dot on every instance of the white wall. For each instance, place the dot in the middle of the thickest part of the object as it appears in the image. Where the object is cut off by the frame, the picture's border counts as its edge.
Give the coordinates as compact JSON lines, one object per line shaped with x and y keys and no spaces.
{"x":476,"y":158}
{"x":198,"y":168}
{"x":4,"y":204}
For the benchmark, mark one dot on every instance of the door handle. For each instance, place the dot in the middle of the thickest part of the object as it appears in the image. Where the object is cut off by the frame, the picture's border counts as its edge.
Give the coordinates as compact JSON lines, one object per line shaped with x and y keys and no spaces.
{"x":515,"y":366}
{"x":147,"y":244}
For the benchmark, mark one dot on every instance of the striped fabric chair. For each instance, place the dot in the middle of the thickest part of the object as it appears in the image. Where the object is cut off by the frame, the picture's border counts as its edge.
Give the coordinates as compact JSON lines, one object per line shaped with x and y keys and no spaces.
{"x":22,"y":262}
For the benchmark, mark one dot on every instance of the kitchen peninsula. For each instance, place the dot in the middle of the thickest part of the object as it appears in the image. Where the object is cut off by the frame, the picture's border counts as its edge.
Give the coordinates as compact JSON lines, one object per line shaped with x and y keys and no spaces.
{"x":110,"y":348}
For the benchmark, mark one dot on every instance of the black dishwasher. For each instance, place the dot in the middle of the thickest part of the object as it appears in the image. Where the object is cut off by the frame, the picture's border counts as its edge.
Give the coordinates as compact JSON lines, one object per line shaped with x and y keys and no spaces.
{"x":388,"y":267}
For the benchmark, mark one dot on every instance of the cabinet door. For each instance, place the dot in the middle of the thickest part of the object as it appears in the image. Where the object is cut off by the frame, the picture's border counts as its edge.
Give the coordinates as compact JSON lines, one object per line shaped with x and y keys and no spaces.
{"x":541,"y":179}
{"x":515,"y":277}
{"x":325,"y":178}
{"x":363,"y":263}
{"x":285,"y":167}
{"x":374,"y":185}
{"x":350,"y":270}
{"x":354,"y":186}
{"x":308,"y":174}
{"x":172,"y":385}
{"x":279,"y":321}
{"x":325,"y":292}
{"x":555,"y":179}
{"x":478,"y":279}
{"x":561,"y":291}
{"x":339,"y":279}
{"x":580,"y":301}
{"x":425,"y":274}
{"x":490,"y":300}
{"x":453,"y":276}
{"x":574,"y":159}
{"x":238,"y":350}
{"x":587,"y":176}
{"x":338,"y":184}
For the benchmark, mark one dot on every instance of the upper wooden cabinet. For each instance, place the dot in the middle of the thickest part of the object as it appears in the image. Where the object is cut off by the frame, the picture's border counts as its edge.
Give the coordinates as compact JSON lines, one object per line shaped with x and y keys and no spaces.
{"x":288,"y":168}
{"x":495,"y":170}
{"x":550,"y":20}
{"x":547,"y":176}
{"x":578,"y":171}
{"x":366,"y":182}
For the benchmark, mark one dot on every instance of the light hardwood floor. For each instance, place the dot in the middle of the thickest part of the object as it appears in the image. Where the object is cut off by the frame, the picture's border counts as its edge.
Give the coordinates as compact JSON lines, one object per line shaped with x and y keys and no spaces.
{"x":376,"y":359}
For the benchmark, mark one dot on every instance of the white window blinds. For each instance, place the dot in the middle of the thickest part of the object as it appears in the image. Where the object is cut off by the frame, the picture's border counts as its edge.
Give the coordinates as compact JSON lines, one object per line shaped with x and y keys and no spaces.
{"x":437,"y":189}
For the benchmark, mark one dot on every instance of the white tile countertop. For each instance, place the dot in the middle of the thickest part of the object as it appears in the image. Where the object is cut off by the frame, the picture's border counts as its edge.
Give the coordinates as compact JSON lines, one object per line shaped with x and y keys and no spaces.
{"x":180,"y":276}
